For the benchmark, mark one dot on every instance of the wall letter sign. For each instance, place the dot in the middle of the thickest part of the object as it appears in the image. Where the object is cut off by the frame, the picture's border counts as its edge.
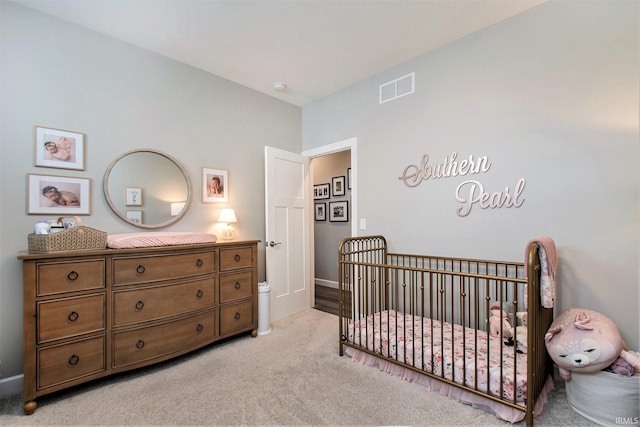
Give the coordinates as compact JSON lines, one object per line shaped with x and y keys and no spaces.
{"x":470,"y":192}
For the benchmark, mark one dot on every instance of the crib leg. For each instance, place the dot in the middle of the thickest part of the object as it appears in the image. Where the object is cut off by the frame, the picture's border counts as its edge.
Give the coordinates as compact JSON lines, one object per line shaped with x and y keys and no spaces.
{"x":529,"y":418}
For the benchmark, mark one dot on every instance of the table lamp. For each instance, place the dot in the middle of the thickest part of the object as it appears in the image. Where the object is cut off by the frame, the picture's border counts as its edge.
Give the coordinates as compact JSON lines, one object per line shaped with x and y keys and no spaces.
{"x":227,"y":216}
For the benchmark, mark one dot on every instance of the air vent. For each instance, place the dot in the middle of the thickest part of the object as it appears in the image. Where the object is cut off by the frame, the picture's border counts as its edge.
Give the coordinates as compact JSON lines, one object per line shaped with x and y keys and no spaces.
{"x":397,"y":88}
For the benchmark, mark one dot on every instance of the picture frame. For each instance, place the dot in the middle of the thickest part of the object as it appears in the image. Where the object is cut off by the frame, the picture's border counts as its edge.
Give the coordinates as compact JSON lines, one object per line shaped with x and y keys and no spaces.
{"x":134,"y":216}
{"x":339,"y":211}
{"x":348,"y":178}
{"x":133,"y":196}
{"x":337,"y":186}
{"x":215,"y":185}
{"x":57,"y":148}
{"x":51,"y":194}
{"x":320,"y":211}
{"x":321,"y":191}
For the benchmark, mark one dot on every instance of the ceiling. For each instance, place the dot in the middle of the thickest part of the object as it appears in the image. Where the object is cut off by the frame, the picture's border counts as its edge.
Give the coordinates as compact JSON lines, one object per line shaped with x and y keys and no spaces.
{"x":315,"y":47}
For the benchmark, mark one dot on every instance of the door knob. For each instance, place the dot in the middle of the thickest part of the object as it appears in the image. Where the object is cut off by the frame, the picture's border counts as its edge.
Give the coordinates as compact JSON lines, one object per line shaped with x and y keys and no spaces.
{"x":272,"y":243}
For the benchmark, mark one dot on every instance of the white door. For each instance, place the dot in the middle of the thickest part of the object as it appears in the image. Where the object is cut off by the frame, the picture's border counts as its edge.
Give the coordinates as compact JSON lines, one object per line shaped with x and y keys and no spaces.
{"x":288,"y":252}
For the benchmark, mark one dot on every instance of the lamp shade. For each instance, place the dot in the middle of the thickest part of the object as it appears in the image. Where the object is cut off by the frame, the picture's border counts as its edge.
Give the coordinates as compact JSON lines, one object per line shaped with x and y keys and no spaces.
{"x":227,"y":216}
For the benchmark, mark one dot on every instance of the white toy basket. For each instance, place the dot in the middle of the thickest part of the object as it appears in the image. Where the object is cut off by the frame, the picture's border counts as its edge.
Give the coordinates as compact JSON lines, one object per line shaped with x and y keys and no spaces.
{"x":606,"y":398}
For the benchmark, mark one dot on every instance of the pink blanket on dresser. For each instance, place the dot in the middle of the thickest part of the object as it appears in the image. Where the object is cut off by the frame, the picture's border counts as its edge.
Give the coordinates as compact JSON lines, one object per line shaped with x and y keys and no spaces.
{"x":150,"y":239}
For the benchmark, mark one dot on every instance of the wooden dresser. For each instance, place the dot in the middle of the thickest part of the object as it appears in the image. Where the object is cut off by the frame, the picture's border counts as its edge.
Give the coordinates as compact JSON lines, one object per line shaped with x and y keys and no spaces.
{"x":89,"y":314}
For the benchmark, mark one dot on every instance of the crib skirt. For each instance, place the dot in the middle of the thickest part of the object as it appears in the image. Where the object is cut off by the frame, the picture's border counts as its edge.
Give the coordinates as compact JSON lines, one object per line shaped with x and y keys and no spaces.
{"x":503,"y":412}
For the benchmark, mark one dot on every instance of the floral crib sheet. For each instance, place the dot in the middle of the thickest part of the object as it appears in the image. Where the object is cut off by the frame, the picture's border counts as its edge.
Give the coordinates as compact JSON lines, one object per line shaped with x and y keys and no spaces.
{"x":457,"y":350}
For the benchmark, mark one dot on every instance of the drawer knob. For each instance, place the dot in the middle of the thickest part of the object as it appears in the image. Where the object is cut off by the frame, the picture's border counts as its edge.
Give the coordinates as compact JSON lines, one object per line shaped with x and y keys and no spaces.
{"x":140,"y":344}
{"x":140,"y":269}
{"x":237,"y":316}
{"x":237,"y":285}
{"x":199,"y":262}
{"x":199,"y":294}
{"x":73,"y":360}
{"x":73,"y":275}
{"x":139,"y":305}
{"x":200,"y":327}
{"x":73,"y":316}
{"x":237,"y":257}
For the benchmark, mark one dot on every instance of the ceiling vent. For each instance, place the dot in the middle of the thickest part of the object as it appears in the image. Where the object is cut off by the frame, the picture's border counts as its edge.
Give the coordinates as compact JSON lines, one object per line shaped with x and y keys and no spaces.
{"x":397,"y":88}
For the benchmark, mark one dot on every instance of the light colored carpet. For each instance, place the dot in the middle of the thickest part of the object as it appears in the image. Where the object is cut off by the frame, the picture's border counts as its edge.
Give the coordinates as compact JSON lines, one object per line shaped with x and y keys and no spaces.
{"x":292,"y":376}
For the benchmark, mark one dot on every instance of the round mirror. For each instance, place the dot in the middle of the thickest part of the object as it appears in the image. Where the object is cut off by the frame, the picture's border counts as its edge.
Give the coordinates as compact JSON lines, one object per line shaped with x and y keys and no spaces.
{"x":147,"y":188}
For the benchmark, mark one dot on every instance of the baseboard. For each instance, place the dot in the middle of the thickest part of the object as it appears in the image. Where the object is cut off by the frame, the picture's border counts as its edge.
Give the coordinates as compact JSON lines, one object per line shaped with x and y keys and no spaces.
{"x":12,"y":385}
{"x":327,"y":283}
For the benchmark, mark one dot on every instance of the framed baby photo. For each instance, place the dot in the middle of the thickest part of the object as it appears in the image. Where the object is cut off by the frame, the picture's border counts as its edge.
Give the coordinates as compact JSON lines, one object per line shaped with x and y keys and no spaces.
{"x":56,"y":148}
{"x":49,"y":194}
{"x":215,"y":185}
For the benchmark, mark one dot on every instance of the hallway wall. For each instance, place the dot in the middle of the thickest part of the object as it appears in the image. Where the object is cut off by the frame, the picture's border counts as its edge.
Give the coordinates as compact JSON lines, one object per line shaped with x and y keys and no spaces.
{"x":328,"y":234}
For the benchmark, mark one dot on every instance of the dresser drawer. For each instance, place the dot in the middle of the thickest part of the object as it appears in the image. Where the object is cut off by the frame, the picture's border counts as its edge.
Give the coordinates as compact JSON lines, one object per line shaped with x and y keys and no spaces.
{"x":234,"y":258}
{"x":236,"y":286}
{"x":67,"y":362}
{"x":156,"y":341}
{"x":69,"y":317}
{"x":141,"y":305}
{"x":162,"y":267}
{"x":236,"y":316}
{"x":59,"y":277}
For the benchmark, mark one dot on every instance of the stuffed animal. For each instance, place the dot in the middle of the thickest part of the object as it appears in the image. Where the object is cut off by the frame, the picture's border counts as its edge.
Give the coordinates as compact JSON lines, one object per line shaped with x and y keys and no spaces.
{"x":519,"y":333}
{"x":586,"y":341}
{"x":497,"y":318}
{"x":621,"y":367}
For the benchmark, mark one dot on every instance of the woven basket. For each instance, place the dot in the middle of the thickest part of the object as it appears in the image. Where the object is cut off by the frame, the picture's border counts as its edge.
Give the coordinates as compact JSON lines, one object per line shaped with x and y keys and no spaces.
{"x":73,"y":239}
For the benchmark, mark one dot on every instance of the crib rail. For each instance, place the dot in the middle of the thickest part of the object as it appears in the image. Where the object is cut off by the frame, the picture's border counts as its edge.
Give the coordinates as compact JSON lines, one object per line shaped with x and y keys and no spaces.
{"x":444,"y":290}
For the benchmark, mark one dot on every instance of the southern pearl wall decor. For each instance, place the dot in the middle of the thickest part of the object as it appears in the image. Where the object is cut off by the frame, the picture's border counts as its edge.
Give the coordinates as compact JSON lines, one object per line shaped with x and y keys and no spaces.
{"x":469,"y":193}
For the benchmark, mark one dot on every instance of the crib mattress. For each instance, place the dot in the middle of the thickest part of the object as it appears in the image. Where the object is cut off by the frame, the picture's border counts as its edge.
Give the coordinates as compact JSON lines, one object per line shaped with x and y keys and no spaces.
{"x":460,"y":354}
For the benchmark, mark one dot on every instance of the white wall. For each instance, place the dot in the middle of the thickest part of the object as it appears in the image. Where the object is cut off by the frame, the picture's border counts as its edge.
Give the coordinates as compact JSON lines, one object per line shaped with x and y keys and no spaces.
{"x":55,"y":74}
{"x":550,"y":96}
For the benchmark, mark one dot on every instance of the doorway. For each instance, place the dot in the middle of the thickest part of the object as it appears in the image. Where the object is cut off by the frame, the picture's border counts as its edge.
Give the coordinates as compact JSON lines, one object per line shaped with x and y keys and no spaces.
{"x":334,"y":215}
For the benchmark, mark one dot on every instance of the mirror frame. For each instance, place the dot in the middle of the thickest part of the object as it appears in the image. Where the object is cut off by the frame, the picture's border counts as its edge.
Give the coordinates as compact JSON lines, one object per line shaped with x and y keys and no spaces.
{"x":105,"y":188}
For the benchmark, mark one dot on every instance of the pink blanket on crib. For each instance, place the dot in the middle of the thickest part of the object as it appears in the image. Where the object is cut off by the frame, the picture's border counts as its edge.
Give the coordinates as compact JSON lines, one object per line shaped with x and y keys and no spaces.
{"x":548,"y":264}
{"x":450,"y":351}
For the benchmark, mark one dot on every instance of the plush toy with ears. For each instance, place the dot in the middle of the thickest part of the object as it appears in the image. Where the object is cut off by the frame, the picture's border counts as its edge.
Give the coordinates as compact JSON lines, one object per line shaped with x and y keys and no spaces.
{"x":497,"y":318}
{"x":586,"y":341}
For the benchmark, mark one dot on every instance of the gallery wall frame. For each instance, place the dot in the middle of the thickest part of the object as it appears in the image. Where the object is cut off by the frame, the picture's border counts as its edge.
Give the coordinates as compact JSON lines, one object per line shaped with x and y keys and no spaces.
{"x":320,"y":211}
{"x":58,"y":148}
{"x":338,"y":186}
{"x":52,"y":194}
{"x":321,"y":191}
{"x":339,"y":211}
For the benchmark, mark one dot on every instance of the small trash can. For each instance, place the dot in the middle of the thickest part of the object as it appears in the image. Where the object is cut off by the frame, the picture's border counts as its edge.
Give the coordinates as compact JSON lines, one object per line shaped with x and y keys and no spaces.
{"x":264,"y":326}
